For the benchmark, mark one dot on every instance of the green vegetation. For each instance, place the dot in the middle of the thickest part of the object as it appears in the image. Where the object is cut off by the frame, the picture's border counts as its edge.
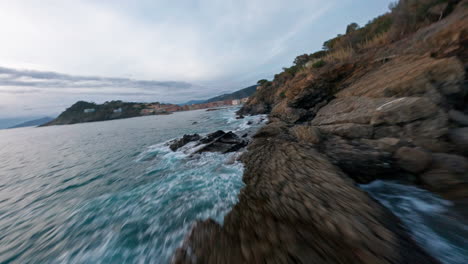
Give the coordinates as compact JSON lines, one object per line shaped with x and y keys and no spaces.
{"x":282,"y":95}
{"x":262,"y":82}
{"x":319,"y":64}
{"x":405,"y":17}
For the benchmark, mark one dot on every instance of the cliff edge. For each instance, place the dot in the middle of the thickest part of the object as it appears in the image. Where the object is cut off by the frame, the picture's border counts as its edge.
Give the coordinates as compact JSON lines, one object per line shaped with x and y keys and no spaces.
{"x":392,"y":108}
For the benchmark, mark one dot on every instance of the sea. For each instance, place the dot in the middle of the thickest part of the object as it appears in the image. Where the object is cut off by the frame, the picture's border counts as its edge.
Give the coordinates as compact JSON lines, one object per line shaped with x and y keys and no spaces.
{"x":113,"y":192}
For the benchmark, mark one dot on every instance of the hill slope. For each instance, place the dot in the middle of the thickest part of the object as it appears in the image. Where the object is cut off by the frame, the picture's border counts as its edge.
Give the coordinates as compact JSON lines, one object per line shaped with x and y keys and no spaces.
{"x":35,"y":122}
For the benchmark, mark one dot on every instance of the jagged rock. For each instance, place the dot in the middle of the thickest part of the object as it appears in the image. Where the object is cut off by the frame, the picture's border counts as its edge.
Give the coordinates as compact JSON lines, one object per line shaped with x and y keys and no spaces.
{"x":458,"y":117}
{"x":364,"y":163}
{"x":358,"y":110}
{"x":225,"y":143}
{"x":288,"y":114}
{"x":178,"y":143}
{"x":306,"y":134}
{"x":210,"y":137}
{"x":298,"y":208}
{"x":448,"y":173}
{"x":403,"y":110}
{"x":459,"y":137}
{"x":386,"y":144}
{"x":412,"y":159}
{"x":348,"y":130}
{"x":273,"y":129}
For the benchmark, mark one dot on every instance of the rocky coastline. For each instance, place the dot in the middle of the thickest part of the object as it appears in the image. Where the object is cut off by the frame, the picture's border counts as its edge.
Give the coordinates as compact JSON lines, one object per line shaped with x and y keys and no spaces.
{"x":396,"y":112}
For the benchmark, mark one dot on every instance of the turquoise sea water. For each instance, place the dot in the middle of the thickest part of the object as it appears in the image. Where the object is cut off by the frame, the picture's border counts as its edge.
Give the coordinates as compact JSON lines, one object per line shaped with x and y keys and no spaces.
{"x":112,"y":192}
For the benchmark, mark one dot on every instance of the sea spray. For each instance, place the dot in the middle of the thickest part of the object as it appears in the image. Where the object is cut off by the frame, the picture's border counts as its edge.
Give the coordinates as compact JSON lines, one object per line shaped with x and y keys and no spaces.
{"x":428,"y":217}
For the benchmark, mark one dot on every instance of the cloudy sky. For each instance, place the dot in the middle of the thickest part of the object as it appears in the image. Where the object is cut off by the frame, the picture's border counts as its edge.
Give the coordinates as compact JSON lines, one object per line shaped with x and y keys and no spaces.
{"x":55,"y":52}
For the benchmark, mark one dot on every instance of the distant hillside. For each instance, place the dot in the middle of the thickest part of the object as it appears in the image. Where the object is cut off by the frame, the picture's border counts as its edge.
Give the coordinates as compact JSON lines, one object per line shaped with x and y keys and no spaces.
{"x":246,"y":92}
{"x":35,"y":122}
{"x":82,"y":111}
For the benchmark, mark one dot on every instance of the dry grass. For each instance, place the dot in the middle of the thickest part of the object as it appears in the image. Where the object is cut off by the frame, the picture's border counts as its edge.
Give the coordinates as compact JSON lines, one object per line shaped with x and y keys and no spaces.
{"x":338,"y":55}
{"x":376,"y":41}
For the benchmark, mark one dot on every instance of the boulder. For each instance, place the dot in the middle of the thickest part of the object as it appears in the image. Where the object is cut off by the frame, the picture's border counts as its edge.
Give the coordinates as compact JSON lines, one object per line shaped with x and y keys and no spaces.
{"x":210,"y":137}
{"x":412,"y":159}
{"x":178,"y":143}
{"x":306,"y":134}
{"x":458,"y":117}
{"x":274,"y":128}
{"x":448,"y":173}
{"x":296,"y":207}
{"x":362,"y":162}
{"x":227,"y":142}
{"x":348,"y":130}
{"x":459,"y":137}
{"x":358,"y":110}
{"x":403,"y":110}
{"x":387,"y":144}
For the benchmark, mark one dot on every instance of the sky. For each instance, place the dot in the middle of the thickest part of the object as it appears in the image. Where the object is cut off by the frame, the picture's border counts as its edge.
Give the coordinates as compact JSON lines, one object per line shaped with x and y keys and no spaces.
{"x":56,"y":52}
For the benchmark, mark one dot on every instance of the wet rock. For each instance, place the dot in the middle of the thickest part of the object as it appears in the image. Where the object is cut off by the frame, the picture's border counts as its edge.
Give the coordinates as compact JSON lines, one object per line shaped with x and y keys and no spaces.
{"x":362,"y":162}
{"x":210,"y":137}
{"x":412,"y":159}
{"x":458,"y":117}
{"x":348,"y":130}
{"x":178,"y":143}
{"x":306,"y":134}
{"x":240,"y":117}
{"x":459,"y":137}
{"x":225,"y":143}
{"x":296,"y":207}
{"x":249,"y":122}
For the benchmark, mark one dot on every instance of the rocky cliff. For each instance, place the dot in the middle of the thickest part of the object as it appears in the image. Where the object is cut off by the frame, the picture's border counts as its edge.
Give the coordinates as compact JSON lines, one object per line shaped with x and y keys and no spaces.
{"x":394,"y":111}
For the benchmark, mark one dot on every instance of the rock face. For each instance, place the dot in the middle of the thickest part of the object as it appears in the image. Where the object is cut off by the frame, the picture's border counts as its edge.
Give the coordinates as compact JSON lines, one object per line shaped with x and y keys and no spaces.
{"x":396,"y":110}
{"x":299,"y":208}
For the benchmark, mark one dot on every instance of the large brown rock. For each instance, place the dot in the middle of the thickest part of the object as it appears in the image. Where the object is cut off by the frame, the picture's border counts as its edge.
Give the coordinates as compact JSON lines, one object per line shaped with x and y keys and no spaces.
{"x":348,"y":130}
{"x":458,"y":117}
{"x":459,"y":137}
{"x":306,"y":134}
{"x":360,"y":161}
{"x":298,"y":208}
{"x":403,"y":110}
{"x":448,"y":174}
{"x":358,"y":110}
{"x":412,"y":159}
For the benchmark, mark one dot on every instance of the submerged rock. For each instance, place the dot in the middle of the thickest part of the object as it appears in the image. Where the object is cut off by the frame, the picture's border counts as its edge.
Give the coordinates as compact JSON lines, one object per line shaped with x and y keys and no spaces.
{"x":218,"y":141}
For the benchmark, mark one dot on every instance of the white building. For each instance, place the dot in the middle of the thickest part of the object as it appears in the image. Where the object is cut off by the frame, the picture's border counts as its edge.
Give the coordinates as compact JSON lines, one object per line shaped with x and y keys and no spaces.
{"x":89,"y":110}
{"x":118,"y":110}
{"x":235,"y":102}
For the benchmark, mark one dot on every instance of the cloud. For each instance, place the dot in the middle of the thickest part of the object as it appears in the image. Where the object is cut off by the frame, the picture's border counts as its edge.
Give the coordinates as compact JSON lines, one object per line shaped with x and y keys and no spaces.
{"x":156,"y":50}
{"x":44,"y":79}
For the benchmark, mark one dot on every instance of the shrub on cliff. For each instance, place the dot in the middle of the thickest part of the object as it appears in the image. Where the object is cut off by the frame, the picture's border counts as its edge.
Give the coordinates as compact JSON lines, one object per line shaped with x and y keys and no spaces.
{"x":318,"y":64}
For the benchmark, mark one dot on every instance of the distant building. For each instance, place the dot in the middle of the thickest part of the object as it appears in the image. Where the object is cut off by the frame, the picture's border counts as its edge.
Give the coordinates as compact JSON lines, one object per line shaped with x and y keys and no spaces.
{"x":244,"y":100}
{"x":118,"y":110}
{"x":89,"y":110}
{"x":235,"y":102}
{"x":147,"y":111}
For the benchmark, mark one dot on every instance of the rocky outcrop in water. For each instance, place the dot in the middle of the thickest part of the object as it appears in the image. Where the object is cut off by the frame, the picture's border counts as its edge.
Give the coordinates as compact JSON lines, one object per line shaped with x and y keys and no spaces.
{"x":299,"y":208}
{"x":218,"y":141}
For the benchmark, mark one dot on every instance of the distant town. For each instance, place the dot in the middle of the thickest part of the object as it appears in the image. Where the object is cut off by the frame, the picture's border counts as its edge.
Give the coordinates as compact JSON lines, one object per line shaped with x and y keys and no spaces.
{"x":161,"y":108}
